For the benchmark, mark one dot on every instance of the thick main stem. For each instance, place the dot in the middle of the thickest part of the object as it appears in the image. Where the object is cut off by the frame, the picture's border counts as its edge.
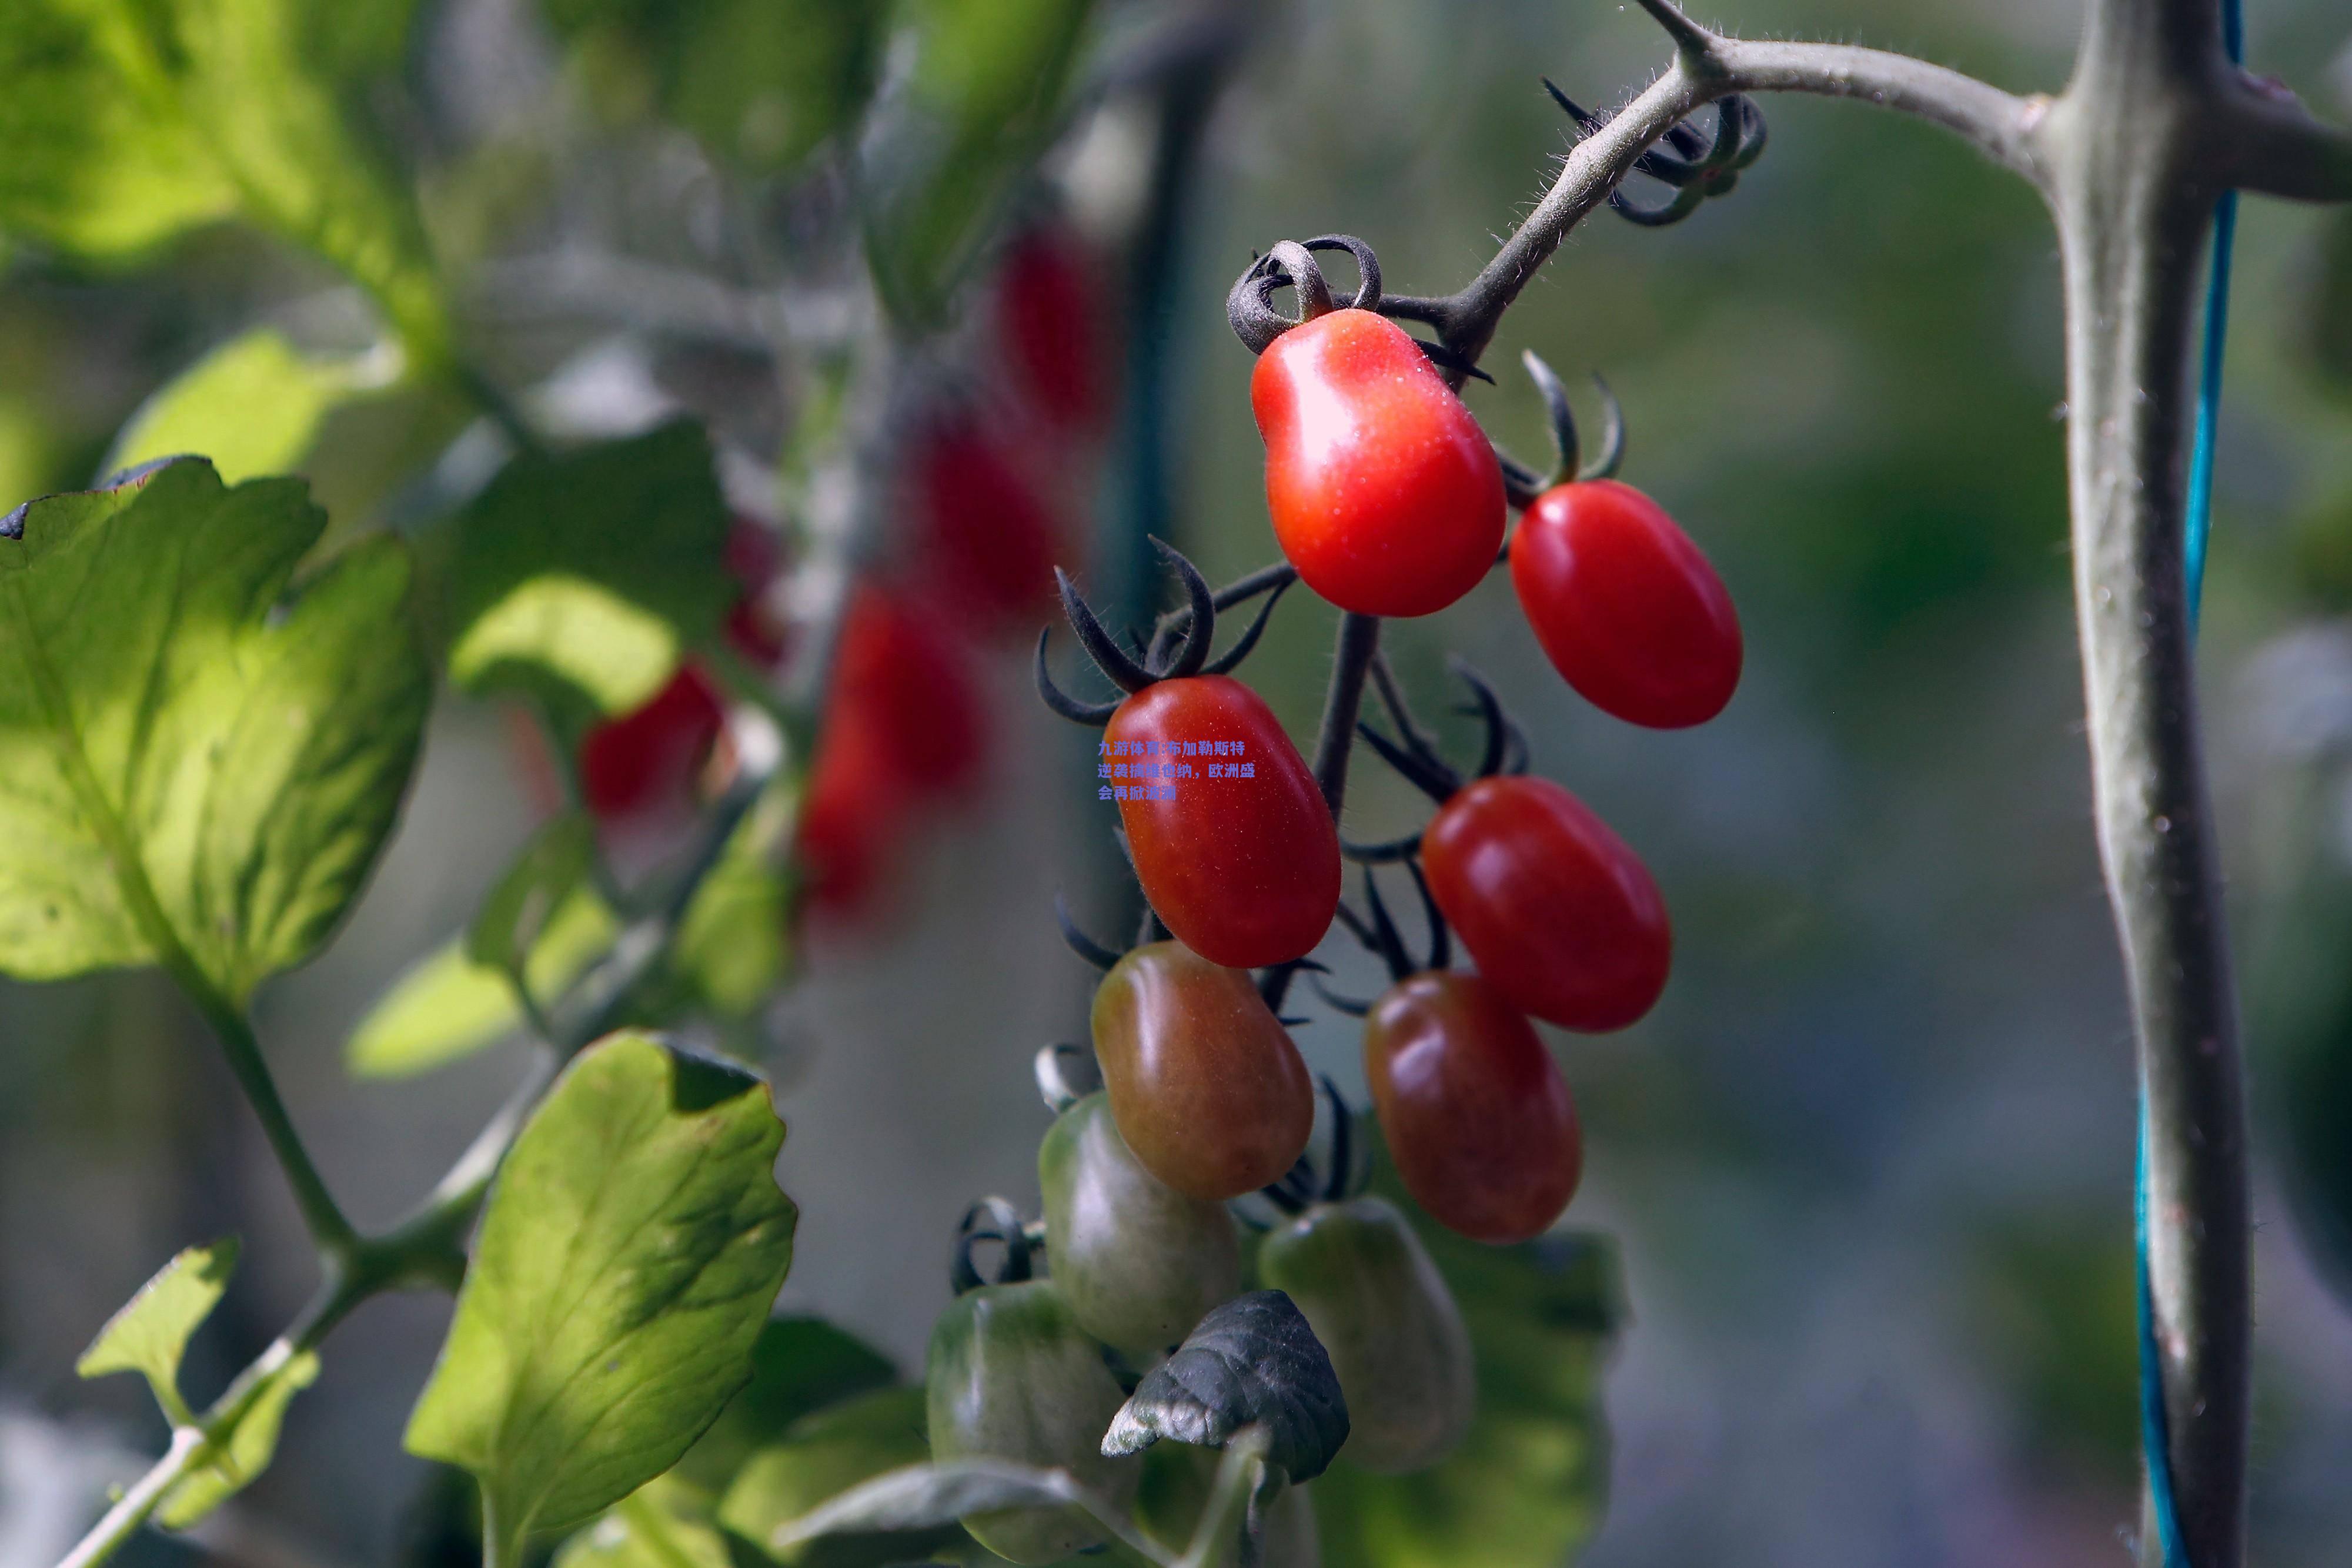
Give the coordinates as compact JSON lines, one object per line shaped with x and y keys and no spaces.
{"x":2130,"y":228}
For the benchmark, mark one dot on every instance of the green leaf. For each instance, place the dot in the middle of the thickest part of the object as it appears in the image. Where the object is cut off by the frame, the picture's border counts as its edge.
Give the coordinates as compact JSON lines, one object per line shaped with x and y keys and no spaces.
{"x":823,"y":1457}
{"x":735,"y":943}
{"x":629,"y":1256}
{"x":665,"y":1524}
{"x":1528,"y":1484}
{"x":243,"y":1448}
{"x":581,"y":579}
{"x":196,"y":769}
{"x":151,"y":1333}
{"x":1252,"y":1362}
{"x":800,"y":1366}
{"x":982,"y":100}
{"x":449,"y":1007}
{"x":253,"y":405}
{"x":128,"y":121}
{"x":762,"y":83}
{"x":928,"y":1497}
{"x":516,"y":913}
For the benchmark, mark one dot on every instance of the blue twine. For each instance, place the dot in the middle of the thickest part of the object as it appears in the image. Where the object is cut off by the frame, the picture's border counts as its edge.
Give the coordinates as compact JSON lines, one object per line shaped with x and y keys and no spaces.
{"x":2156,"y":1434}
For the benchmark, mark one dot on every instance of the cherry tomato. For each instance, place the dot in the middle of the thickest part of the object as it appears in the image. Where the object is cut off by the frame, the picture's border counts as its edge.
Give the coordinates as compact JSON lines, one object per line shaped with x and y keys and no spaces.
{"x":1563,"y":919}
{"x":1049,"y":323}
{"x":1205,"y":1085}
{"x":854,"y":815}
{"x":1010,"y":1375}
{"x":651,"y":758}
{"x":1628,"y":610}
{"x":1138,"y":1262}
{"x":913,"y":682}
{"x":1238,"y":855}
{"x":1478,"y":1120}
{"x":989,"y":538}
{"x":1385,"y":494}
{"x":1373,"y":1295}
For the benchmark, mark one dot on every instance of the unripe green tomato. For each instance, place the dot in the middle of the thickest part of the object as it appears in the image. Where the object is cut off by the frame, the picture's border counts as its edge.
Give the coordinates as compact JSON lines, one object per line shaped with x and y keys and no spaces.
{"x":1137,"y":1260}
{"x":1012,"y":1376}
{"x":1383,"y":1312}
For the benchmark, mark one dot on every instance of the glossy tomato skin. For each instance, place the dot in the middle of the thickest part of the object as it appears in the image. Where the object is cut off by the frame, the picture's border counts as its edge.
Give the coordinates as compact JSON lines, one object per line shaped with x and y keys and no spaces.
{"x":1138,"y":1262}
{"x":1385,"y":494}
{"x":1207,"y":1090}
{"x":1479,"y":1119}
{"x":1010,"y":1375}
{"x":1244,"y":870}
{"x":1373,"y":1296}
{"x":651,"y":758}
{"x":1562,"y":918}
{"x":1626,"y":607}
{"x":989,"y":535}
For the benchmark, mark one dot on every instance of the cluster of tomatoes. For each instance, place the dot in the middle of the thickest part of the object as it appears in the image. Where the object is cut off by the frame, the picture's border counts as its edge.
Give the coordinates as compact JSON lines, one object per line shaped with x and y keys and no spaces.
{"x":1387,"y":500}
{"x":988,"y":510}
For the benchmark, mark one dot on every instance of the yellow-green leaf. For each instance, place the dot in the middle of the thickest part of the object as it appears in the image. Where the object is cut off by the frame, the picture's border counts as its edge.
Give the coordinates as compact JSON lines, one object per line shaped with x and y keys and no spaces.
{"x":242,"y":1449}
{"x":151,"y":1333}
{"x":629,"y":1256}
{"x":253,"y":405}
{"x":199,"y":758}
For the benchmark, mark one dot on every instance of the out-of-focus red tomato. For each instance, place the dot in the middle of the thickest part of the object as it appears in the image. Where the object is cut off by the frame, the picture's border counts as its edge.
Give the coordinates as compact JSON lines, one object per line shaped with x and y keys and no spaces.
{"x":987,"y":537}
{"x":855,"y":816}
{"x":651,"y":758}
{"x":901,"y":672}
{"x":1049,"y":327}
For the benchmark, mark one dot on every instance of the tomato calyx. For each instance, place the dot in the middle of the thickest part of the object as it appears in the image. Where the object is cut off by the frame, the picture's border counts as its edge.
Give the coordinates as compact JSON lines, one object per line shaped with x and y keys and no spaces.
{"x":1418,"y":761}
{"x":1344,"y":1170}
{"x":1067,"y":1073}
{"x":1178,"y":647}
{"x":1694,"y":166}
{"x":1291,"y":264}
{"x":1379,"y":935}
{"x":994,"y":1220}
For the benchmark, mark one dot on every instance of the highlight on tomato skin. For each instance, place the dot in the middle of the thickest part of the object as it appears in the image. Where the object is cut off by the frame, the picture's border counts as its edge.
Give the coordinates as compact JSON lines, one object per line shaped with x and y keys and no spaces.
{"x":1239,"y":855}
{"x":1383,"y":491}
{"x":1205,"y":1085}
{"x":1562,"y":918}
{"x":1628,"y":610}
{"x":1478,"y":1120}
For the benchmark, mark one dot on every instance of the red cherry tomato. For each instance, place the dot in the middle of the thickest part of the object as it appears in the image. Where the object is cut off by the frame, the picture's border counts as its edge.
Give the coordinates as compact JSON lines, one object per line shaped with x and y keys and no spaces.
{"x":1385,"y":494}
{"x":1477,"y":1117}
{"x":915,"y":684}
{"x":989,"y":539}
{"x":1205,"y":1083}
{"x":1628,"y":610}
{"x":1563,"y":919}
{"x":1238,"y":854}
{"x":853,"y":817}
{"x":651,"y":758}
{"x":1049,"y":323}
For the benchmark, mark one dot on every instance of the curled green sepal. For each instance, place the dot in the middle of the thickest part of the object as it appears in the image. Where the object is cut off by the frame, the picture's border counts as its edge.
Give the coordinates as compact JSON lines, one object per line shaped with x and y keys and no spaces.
{"x":1251,"y":1362}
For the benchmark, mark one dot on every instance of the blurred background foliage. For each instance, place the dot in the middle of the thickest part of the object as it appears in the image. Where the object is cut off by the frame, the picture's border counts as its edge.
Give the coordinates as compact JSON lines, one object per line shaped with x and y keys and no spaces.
{"x":1868,"y":1164}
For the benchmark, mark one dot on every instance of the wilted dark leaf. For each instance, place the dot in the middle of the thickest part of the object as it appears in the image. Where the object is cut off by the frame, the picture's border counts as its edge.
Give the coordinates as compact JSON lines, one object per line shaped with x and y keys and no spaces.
{"x":1252,"y":1362}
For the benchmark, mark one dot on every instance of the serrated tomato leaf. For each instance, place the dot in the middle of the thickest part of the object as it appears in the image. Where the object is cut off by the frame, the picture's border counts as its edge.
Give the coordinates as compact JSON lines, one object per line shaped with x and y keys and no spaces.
{"x":629,"y":1256}
{"x":198,"y":767}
